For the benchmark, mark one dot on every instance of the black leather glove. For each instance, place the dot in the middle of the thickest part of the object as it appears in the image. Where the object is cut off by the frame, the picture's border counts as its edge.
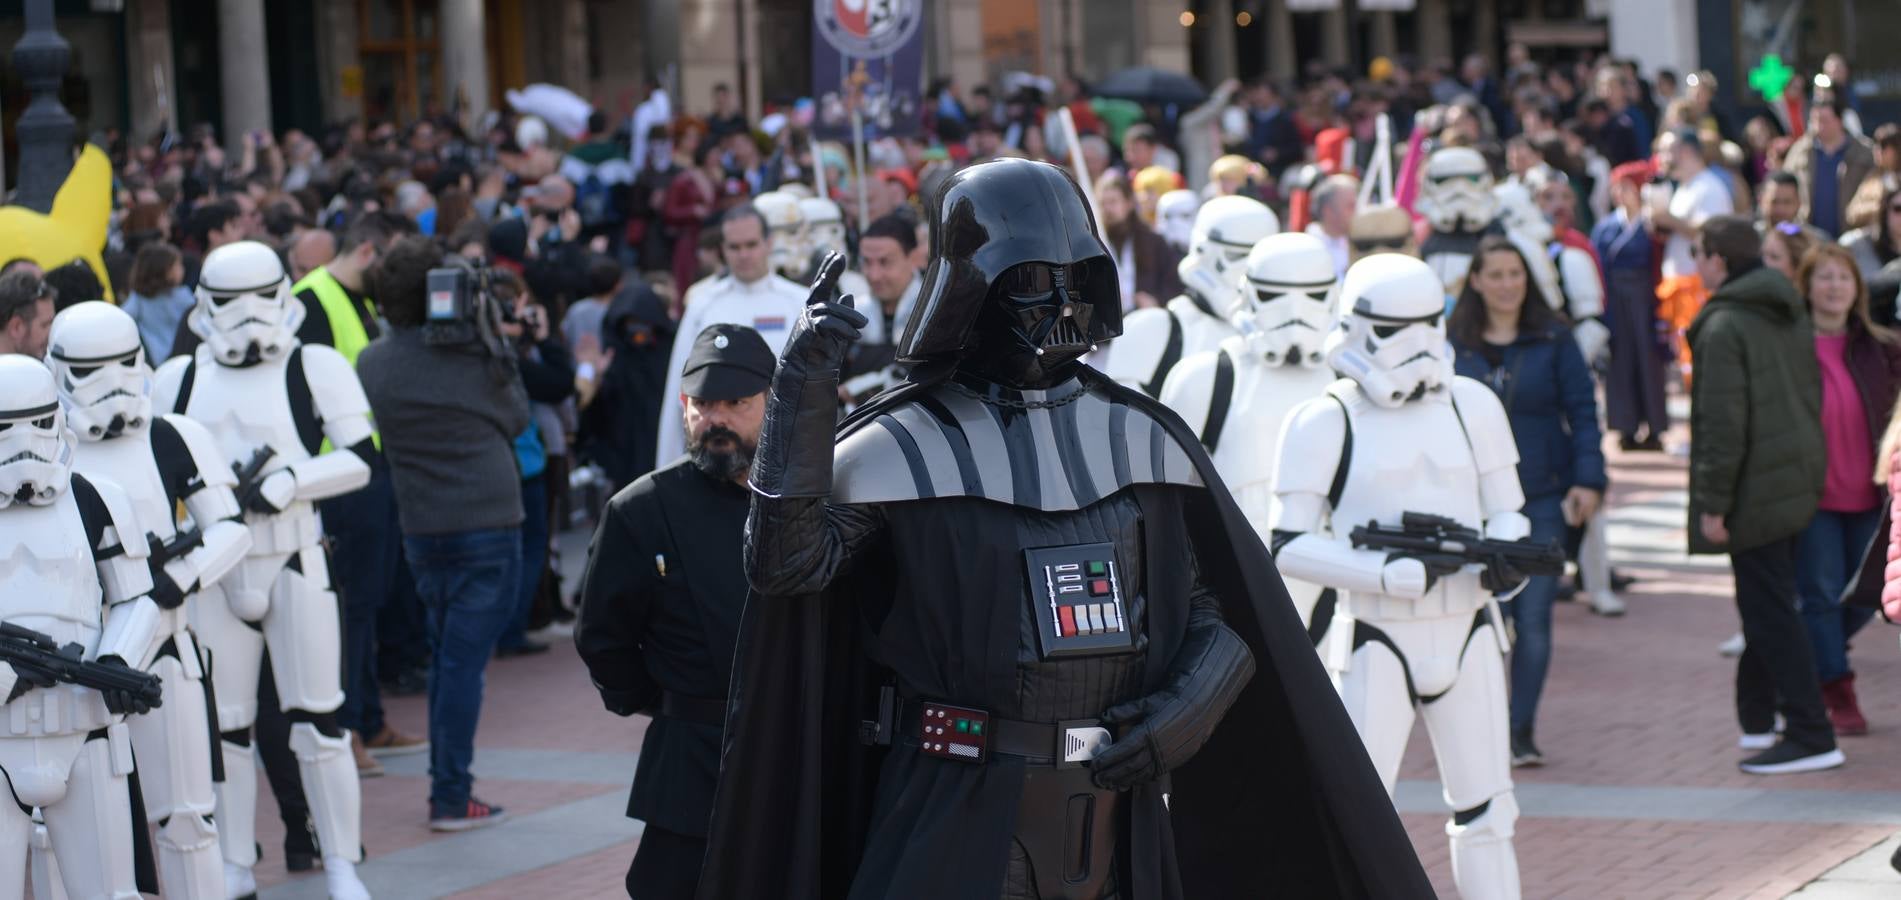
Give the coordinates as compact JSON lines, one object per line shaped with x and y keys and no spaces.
{"x":794,"y":457}
{"x":126,"y":703}
{"x":165,"y":592}
{"x":1169,"y":725}
{"x":28,"y":678}
{"x":1500,"y":577}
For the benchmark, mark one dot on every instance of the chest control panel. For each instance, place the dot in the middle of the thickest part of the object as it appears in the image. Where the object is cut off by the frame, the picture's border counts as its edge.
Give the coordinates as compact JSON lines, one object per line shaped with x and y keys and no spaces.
{"x":1077,"y":601}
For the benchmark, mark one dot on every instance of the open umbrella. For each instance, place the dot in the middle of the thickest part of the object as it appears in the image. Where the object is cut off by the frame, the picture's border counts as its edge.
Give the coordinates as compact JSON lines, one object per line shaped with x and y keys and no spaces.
{"x":1151,"y":85}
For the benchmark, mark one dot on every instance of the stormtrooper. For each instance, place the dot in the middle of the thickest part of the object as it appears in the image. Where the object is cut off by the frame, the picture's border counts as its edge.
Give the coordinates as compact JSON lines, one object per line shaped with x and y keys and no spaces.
{"x":1236,"y":396}
{"x":824,"y":236}
{"x":785,"y":232}
{"x":1567,"y":275}
{"x":293,"y":419}
{"x":160,"y":462}
{"x":1175,"y":218}
{"x":77,"y":570}
{"x":1400,"y":433}
{"x":1455,"y":196}
{"x":1154,"y":340}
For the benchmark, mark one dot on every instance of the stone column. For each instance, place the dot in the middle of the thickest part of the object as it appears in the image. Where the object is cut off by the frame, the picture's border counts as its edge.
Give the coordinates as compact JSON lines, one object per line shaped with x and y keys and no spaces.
{"x":1162,"y":42}
{"x":1216,"y":26}
{"x":244,"y":71}
{"x":708,"y":52}
{"x":1385,"y":34}
{"x":1335,"y":46}
{"x":339,"y":69}
{"x":1435,"y":33}
{"x":464,"y":58}
{"x":1281,"y":62}
{"x":960,"y":42}
{"x":148,"y":64}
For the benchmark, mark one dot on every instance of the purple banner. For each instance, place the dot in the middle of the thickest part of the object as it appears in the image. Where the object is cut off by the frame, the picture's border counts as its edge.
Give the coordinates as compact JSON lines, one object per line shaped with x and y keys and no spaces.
{"x":878,"y":44}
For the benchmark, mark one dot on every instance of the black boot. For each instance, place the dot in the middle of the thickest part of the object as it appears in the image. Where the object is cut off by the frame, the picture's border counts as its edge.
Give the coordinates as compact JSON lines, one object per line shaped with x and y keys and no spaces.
{"x":300,"y":848}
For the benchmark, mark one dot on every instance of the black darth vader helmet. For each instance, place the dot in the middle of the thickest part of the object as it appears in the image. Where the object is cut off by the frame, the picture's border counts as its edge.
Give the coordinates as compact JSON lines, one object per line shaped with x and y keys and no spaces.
{"x":1017,"y":235}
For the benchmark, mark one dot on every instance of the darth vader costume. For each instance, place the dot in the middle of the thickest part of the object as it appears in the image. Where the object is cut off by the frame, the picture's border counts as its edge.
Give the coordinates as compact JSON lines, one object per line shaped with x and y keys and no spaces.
{"x":1010,"y":635}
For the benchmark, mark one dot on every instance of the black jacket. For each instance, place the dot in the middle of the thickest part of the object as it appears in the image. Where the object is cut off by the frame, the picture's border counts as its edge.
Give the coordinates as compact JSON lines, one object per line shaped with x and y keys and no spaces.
{"x":618,"y":429}
{"x":660,"y":605}
{"x":1281,"y":801}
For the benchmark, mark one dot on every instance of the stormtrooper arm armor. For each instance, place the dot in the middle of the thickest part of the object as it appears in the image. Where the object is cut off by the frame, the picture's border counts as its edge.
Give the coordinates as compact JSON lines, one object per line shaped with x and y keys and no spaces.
{"x":131,"y":616}
{"x":1311,"y":447}
{"x":1137,"y":357}
{"x":1584,"y":302}
{"x":214,"y":509}
{"x":345,"y":412}
{"x":1496,"y":455}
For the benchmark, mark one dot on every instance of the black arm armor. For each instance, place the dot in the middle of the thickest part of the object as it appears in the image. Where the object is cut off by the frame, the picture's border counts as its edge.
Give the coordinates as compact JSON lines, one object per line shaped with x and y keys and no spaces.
{"x":1207,"y":675}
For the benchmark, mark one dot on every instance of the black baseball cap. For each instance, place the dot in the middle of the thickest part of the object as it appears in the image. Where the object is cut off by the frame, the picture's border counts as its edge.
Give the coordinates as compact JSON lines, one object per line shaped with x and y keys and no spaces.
{"x":727,"y":362}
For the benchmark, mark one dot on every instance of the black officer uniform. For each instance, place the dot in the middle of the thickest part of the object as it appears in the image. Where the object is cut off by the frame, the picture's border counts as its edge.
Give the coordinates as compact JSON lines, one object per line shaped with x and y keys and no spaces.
{"x":1011,"y":608}
{"x":660,"y":608}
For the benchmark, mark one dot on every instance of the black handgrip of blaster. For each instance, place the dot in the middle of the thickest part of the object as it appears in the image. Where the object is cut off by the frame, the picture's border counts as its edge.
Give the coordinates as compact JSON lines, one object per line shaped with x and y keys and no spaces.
{"x":32,"y":649}
{"x":250,"y":480}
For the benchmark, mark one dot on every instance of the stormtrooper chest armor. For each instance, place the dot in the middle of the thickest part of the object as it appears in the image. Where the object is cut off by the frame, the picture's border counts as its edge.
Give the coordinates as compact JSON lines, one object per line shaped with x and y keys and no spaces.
{"x":248,"y":408}
{"x":48,"y":579}
{"x":1411,"y":458}
{"x":1263,"y":395}
{"x":128,"y":462}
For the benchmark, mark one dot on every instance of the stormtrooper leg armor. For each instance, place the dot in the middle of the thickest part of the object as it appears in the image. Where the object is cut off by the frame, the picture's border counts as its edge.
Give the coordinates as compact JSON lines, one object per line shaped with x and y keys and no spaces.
{"x":302,"y":631}
{"x":176,"y":778}
{"x":88,"y":816}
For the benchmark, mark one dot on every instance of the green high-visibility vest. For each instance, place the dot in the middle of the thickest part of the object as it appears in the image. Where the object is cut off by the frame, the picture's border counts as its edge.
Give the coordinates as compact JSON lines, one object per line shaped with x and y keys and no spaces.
{"x":346,"y":328}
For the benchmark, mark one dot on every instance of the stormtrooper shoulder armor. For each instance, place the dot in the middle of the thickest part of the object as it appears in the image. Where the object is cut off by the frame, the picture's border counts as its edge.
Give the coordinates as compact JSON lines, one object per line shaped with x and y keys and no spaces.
{"x":1583,"y":292}
{"x":1486,"y":425}
{"x":213,"y":469}
{"x":1315,"y":447}
{"x":168,"y":383}
{"x":118,"y":538}
{"x":1191,"y":388}
{"x":1150,"y":343}
{"x":337,"y":395}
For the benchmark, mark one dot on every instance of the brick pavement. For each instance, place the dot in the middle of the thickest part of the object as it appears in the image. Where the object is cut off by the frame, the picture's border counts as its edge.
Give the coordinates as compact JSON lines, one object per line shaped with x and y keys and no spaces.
{"x":1633,"y":704}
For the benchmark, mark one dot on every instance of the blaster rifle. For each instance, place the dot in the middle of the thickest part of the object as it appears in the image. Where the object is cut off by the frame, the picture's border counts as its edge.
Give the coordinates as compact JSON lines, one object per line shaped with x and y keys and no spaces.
{"x":1445,"y":546}
{"x":181,"y":543}
{"x":251,"y":478}
{"x":30,"y":649}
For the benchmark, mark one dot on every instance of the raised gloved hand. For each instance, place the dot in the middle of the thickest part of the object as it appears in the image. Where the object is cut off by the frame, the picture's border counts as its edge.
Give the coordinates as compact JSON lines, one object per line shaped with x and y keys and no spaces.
{"x":1161,"y":731}
{"x":121,"y":702}
{"x":794,"y":459}
{"x":828,"y":327}
{"x":27,"y":678}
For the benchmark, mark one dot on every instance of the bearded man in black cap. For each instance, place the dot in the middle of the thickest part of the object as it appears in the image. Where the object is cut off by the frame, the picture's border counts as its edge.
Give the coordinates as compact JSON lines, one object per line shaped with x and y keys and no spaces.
{"x":661,"y":599}
{"x":1010,"y":635}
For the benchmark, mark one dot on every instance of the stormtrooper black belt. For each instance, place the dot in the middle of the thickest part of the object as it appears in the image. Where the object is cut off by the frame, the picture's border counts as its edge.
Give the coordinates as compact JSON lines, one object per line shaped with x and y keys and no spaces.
{"x":971,"y":734}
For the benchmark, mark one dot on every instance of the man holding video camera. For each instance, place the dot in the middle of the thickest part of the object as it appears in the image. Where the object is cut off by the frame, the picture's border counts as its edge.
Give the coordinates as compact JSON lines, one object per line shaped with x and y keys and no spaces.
{"x":449,"y":402}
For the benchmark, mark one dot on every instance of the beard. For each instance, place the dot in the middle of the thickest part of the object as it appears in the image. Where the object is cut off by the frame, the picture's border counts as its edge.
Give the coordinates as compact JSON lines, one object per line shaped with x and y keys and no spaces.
{"x":1118,"y":234}
{"x":720,"y":464}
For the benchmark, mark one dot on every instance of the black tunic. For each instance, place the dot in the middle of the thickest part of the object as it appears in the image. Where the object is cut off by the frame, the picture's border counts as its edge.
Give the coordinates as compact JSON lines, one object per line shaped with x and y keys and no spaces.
{"x":660,"y":606}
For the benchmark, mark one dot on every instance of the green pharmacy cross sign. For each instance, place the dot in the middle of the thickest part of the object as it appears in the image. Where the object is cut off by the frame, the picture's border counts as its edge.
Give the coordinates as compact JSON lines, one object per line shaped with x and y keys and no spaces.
{"x":1770,"y":78}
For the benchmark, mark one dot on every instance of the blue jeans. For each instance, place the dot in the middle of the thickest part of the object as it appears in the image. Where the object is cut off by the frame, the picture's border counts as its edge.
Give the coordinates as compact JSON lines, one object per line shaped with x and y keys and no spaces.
{"x":467,"y":581}
{"x":367,"y":544}
{"x":1531,"y":617}
{"x":534,"y":552}
{"x":1829,"y":553}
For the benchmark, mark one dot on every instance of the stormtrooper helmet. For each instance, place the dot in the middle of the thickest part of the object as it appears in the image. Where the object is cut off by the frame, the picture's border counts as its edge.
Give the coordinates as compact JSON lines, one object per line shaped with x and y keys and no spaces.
{"x":1456,"y":193}
{"x":785,"y":231}
{"x":36,"y":449}
{"x":245,"y":312}
{"x":1392,"y":341}
{"x":1175,"y":217}
{"x":1226,"y":229}
{"x":824,"y":225}
{"x":99,"y":367}
{"x":1284,"y":308}
{"x":1519,"y":212}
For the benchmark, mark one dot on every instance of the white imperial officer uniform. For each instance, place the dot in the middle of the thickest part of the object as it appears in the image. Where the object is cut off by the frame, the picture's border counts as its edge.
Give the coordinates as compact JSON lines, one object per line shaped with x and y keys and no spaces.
{"x":293,"y":417}
{"x":1237,"y":396}
{"x":1153,"y":341}
{"x":159,"y":462}
{"x":768,"y":306}
{"x":1400,"y":433}
{"x":76,"y":571}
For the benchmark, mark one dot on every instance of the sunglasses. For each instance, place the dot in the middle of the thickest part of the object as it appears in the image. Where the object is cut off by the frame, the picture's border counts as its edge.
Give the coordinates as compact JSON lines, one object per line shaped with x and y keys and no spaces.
{"x":1368,"y":245}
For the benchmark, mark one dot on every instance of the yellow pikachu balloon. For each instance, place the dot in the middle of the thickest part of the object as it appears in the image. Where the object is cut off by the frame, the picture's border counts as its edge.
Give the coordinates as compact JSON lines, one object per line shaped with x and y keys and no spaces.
{"x":76,"y":229}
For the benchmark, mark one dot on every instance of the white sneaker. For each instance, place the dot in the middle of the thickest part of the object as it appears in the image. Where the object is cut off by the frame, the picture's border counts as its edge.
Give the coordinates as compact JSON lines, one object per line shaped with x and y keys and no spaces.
{"x":1756,"y":741}
{"x":239,"y":883}
{"x":1733,"y":646}
{"x":339,"y":876}
{"x":1608,"y":604}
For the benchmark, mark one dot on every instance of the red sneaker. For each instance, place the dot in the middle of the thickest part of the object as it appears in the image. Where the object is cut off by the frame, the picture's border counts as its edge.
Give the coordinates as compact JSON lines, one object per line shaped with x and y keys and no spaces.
{"x":476,"y":815}
{"x":1844,"y":711}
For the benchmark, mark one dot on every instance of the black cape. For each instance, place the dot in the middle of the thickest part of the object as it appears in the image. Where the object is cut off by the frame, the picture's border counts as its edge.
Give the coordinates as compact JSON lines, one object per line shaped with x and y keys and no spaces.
{"x":1281,"y":802}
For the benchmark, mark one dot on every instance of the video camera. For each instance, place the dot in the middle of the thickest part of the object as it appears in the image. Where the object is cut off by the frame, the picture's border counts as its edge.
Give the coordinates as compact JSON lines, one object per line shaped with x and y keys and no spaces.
{"x":461,"y":310}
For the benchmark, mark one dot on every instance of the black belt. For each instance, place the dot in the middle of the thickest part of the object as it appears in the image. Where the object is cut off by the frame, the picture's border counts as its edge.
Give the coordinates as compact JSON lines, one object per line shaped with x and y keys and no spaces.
{"x":1038,"y":743}
{"x":698,"y":710}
